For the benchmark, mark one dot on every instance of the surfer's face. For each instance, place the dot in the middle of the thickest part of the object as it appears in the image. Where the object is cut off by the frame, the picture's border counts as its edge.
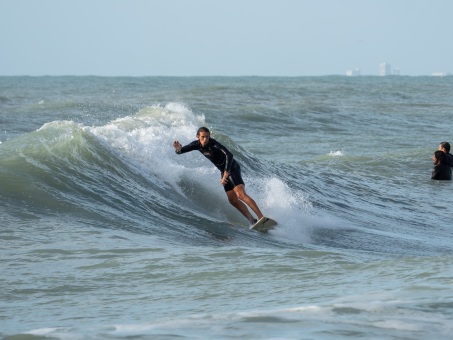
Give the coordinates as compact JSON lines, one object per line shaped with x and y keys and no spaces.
{"x":435,"y":160}
{"x":203,"y":138}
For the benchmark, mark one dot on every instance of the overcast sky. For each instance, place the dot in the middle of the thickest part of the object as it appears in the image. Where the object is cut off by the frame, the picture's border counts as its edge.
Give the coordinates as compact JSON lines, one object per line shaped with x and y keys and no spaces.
{"x":224,"y":37}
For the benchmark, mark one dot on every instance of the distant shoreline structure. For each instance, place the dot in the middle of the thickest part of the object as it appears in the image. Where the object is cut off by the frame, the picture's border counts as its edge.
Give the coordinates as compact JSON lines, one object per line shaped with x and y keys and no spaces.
{"x":440,"y":74}
{"x":385,"y":69}
{"x":349,"y":73}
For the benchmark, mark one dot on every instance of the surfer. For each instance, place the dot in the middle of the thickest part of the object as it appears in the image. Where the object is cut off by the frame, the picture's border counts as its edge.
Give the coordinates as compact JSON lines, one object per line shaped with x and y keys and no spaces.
{"x":441,"y":170}
{"x":445,"y":148}
{"x":229,"y":169}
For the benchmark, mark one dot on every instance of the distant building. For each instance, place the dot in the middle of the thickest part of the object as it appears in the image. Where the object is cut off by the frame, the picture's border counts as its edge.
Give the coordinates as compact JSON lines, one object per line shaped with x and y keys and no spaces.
{"x":353,"y":73}
{"x":385,"y":69}
{"x":396,"y":71}
{"x":440,"y":74}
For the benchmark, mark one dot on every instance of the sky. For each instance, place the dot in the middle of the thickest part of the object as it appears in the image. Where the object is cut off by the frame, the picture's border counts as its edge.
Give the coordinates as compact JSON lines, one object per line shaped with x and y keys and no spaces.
{"x":224,"y":37}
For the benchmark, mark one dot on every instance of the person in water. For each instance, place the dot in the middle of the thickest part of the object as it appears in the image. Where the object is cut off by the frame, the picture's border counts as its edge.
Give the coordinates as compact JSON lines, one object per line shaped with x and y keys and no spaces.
{"x":445,"y":148}
{"x":441,"y":170}
{"x":230,"y":171}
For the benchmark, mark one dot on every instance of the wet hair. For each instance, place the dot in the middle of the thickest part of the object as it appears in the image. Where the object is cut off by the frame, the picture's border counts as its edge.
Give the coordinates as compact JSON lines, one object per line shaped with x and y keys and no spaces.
{"x":203,"y":129}
{"x":446,"y":146}
{"x":440,"y":157}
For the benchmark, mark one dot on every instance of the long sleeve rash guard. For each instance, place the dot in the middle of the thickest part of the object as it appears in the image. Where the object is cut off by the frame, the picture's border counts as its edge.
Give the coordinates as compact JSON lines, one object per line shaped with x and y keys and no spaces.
{"x":214,"y":151}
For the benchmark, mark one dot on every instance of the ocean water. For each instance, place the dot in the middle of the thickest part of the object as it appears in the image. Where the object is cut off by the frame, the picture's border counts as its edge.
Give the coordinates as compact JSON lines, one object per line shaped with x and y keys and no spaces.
{"x":106,"y":233}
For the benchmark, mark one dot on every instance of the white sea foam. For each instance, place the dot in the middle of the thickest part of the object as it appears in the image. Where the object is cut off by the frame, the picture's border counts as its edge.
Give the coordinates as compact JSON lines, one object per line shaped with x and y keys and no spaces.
{"x":146,"y":138}
{"x":338,"y":153}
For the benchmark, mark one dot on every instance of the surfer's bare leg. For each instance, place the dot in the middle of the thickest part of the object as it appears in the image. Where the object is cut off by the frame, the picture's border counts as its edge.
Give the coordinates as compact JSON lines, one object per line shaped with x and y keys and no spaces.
{"x":239,"y":205}
{"x":242,"y":195}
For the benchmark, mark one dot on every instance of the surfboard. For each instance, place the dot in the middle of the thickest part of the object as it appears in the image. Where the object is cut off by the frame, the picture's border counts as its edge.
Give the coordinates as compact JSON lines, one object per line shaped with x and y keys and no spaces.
{"x":264,"y":224}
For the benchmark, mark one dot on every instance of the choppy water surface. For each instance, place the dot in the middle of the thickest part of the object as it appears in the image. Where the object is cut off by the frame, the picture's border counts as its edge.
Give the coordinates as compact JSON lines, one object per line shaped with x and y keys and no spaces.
{"x":107,"y":233}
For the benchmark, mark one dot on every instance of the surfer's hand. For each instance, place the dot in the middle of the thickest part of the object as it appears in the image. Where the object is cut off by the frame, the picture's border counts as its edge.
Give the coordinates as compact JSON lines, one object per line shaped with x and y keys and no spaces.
{"x":177,"y":145}
{"x":224,"y":179}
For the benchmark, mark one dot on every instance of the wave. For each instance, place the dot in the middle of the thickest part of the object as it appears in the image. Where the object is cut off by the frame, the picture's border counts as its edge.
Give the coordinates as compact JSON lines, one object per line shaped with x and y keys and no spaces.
{"x":126,"y":175}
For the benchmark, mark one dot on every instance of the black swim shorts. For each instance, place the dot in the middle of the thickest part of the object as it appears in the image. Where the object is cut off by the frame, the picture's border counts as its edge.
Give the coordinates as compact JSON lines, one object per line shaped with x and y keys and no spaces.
{"x":234,"y":177}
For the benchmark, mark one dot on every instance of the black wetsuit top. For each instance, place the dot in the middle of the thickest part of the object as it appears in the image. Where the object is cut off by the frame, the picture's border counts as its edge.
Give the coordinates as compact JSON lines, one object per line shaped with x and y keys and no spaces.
{"x":221,"y":158}
{"x":214,"y":151}
{"x":441,"y":172}
{"x":449,"y":159}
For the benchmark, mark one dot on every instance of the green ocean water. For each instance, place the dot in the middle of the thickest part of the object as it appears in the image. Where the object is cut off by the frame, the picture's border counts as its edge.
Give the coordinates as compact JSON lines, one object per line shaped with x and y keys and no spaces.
{"x":106,"y":233}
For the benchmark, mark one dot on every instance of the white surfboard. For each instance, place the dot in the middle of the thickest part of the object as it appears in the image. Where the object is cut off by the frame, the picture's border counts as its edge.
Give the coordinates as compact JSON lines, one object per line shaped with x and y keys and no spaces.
{"x":264,"y":224}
